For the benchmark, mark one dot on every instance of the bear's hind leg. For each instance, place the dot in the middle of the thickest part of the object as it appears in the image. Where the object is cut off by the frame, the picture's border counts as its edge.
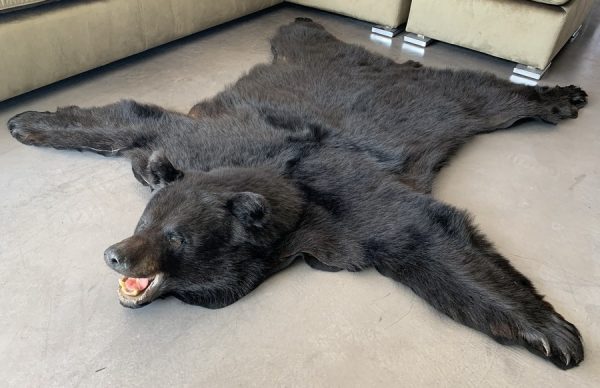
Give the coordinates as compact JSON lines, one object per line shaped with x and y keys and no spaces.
{"x":447,"y":262}
{"x":496,"y":104}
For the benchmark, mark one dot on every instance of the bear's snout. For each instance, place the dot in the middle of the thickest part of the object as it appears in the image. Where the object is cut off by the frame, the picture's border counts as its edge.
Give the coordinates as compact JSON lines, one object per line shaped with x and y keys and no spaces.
{"x":135,"y":256}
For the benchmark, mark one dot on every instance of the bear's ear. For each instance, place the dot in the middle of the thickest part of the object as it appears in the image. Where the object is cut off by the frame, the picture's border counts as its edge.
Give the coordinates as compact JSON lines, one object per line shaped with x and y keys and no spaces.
{"x":251,"y":209}
{"x":160,"y":170}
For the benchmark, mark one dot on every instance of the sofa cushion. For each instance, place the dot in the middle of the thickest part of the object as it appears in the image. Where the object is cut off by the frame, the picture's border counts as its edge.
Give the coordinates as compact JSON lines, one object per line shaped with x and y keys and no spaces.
{"x":47,"y":44}
{"x":14,"y":5}
{"x":552,"y":2}
{"x":522,"y":31}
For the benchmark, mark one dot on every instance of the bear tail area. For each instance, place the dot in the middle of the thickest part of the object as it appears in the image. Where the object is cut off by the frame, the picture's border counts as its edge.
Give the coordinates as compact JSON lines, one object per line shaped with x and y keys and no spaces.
{"x":293,"y":41}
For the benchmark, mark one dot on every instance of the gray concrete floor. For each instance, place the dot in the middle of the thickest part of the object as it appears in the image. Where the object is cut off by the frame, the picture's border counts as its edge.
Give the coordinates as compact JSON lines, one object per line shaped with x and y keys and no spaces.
{"x":534,"y":190}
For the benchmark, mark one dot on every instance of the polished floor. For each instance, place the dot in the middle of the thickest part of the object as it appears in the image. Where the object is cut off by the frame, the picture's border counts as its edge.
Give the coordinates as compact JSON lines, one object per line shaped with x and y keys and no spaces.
{"x":534,"y":190}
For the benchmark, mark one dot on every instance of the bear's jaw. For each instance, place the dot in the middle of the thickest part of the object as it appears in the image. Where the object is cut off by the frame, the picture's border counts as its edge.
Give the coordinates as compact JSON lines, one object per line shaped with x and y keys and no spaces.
{"x":138,"y":292}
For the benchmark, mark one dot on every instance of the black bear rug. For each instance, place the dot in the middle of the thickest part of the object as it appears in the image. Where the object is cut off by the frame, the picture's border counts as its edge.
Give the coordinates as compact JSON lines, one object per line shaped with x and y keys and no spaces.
{"x":327,"y":154}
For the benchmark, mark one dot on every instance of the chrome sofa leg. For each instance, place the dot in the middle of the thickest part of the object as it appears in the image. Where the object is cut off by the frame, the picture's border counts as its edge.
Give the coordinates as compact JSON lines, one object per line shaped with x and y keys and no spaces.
{"x":417,"y":39}
{"x":386,"y":31}
{"x":530,"y":71}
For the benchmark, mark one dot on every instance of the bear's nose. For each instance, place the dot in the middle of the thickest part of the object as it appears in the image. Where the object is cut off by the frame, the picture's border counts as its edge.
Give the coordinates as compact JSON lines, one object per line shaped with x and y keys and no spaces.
{"x":114,"y":259}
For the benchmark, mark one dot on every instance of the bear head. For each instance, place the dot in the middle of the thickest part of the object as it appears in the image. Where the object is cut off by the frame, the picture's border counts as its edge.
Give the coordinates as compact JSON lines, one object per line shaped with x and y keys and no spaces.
{"x":206,"y":238}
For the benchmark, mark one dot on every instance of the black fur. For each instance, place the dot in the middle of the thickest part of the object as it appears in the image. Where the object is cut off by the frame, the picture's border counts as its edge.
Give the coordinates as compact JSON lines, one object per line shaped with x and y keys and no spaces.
{"x":328,"y":153}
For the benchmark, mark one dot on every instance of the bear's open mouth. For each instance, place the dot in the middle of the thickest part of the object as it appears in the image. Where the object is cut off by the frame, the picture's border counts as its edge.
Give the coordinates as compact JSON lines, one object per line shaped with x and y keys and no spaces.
{"x":137,"y":292}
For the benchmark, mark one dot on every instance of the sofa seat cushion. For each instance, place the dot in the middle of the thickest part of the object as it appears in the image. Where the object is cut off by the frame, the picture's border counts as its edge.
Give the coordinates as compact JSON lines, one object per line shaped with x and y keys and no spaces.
{"x":552,"y":2}
{"x":14,"y":5}
{"x":51,"y":43}
{"x":522,"y":31}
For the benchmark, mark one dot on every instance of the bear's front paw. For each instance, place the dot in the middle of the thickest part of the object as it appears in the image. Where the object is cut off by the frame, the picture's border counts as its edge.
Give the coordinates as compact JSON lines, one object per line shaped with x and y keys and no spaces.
{"x":557,"y":340}
{"x":157,"y":171}
{"x":28,"y":127}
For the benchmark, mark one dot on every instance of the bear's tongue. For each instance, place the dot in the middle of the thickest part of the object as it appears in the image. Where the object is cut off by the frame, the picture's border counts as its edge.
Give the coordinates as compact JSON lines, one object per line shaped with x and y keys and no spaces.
{"x":138,"y":284}
{"x":133,"y":286}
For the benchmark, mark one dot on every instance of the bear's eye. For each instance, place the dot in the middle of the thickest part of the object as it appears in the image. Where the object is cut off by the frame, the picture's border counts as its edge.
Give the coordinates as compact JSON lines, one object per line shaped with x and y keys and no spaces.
{"x":175,"y":240}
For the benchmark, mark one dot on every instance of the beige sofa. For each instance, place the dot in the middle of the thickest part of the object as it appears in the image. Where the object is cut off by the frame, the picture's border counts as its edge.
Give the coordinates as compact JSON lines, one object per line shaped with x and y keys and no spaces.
{"x":529,"y":32}
{"x":53,"y":40}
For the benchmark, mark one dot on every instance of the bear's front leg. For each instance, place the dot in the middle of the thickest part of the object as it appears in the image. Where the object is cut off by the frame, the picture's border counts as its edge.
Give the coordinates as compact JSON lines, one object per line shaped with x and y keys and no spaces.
{"x":107,"y":130}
